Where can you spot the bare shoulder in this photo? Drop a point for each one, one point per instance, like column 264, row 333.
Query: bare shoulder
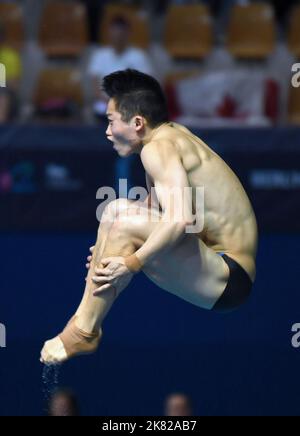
column 161, row 150
column 181, row 128
column 160, row 159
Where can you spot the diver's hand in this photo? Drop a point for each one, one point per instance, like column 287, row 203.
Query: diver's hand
column 114, row 274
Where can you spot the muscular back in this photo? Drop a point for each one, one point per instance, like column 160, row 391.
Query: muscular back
column 229, row 220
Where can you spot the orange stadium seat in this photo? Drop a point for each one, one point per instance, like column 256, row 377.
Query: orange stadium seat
column 294, row 32
column 252, row 31
column 63, row 29
column 11, row 17
column 59, row 83
column 189, row 31
column 294, row 106
column 140, row 33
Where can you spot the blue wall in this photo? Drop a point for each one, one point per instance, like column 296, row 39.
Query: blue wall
column 153, row 342
column 267, row 161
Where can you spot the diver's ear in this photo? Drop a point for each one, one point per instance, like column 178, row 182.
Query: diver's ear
column 139, row 123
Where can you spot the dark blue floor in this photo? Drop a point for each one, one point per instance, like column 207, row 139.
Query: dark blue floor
column 154, row 343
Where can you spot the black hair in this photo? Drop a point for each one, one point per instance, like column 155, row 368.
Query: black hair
column 136, row 93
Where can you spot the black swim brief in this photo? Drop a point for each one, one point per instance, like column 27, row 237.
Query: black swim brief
column 237, row 290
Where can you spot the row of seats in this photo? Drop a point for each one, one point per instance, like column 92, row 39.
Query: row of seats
column 63, row 29
column 189, row 29
column 62, row 83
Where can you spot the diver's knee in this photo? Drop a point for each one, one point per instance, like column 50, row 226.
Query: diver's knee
column 112, row 210
column 117, row 207
column 120, row 227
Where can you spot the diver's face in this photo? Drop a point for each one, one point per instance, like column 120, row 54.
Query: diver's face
column 123, row 135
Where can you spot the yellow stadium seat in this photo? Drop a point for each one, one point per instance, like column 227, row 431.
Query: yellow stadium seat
column 177, row 76
column 294, row 32
column 139, row 26
column 252, row 31
column 11, row 17
column 59, row 83
column 63, row 29
column 189, row 31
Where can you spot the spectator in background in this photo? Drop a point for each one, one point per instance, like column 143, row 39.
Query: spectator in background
column 11, row 60
column 178, row 404
column 63, row 403
column 119, row 55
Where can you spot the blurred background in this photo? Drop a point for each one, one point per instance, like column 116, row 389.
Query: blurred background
column 226, row 69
